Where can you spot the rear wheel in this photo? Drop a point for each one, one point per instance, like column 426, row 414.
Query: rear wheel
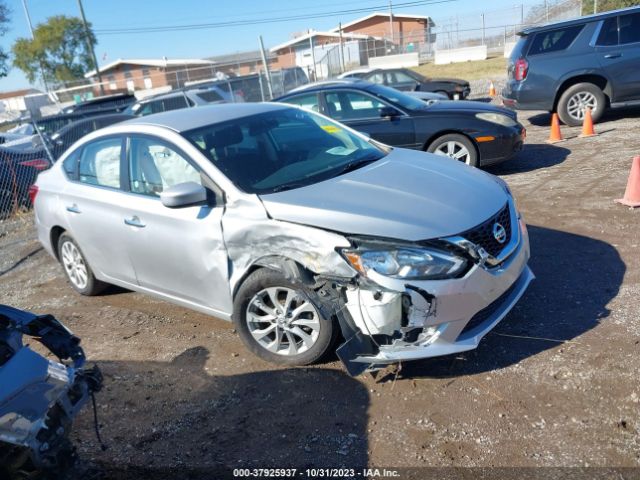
column 455, row 146
column 576, row 99
column 76, row 267
column 279, row 319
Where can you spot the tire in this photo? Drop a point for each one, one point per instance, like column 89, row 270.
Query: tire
column 574, row 99
column 76, row 268
column 311, row 338
column 454, row 144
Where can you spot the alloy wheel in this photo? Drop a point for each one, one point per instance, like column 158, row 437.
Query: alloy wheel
column 579, row 102
column 283, row 321
column 454, row 150
column 74, row 265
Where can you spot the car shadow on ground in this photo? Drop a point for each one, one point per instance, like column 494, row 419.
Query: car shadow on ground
column 543, row 119
column 577, row 277
column 166, row 420
column 532, row 157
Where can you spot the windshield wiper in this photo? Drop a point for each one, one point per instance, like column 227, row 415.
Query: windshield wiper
column 286, row 186
column 356, row 164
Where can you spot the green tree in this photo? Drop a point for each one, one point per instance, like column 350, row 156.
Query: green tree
column 59, row 48
column 4, row 56
column 606, row 5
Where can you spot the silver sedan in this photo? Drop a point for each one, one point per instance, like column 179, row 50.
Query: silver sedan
column 295, row 227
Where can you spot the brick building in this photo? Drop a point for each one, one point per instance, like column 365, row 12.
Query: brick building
column 402, row 30
column 138, row 74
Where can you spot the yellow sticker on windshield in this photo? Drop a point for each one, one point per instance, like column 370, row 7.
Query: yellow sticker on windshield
column 330, row 128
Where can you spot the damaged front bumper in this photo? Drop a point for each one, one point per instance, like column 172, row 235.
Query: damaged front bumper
column 399, row 320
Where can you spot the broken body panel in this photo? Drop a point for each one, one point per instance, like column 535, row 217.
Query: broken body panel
column 38, row 397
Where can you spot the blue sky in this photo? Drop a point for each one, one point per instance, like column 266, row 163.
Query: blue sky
column 201, row 43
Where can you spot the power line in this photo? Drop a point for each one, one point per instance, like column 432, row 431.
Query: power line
column 231, row 23
column 241, row 15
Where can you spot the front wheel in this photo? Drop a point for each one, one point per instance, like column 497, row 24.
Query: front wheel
column 455, row 146
column 280, row 320
column 576, row 99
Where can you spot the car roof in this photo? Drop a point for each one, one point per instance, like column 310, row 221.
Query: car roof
column 186, row 119
column 75, row 124
column 331, row 84
column 578, row 21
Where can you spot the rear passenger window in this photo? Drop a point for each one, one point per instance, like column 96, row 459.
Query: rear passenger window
column 174, row 103
column 70, row 165
column 100, row 163
column 629, row 26
column 554, row 40
column 608, row 32
column 210, row 96
column 308, row 101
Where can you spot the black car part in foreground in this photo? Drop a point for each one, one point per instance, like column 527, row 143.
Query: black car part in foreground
column 39, row 398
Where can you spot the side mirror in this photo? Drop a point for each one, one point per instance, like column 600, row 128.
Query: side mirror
column 388, row 112
column 187, row 194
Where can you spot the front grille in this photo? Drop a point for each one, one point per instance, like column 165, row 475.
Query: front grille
column 487, row 312
column 482, row 235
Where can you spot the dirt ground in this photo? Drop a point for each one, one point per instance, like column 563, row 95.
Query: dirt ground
column 554, row 385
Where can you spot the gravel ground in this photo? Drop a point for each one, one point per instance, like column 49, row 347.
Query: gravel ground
column 555, row 384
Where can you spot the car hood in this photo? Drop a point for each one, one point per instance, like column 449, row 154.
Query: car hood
column 468, row 106
column 406, row 195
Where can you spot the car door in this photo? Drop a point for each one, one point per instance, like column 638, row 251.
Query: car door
column 618, row 51
column 176, row 252
column 364, row 112
column 94, row 205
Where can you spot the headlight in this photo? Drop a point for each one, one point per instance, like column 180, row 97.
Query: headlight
column 498, row 118
column 407, row 263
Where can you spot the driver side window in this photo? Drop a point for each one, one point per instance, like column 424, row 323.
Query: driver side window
column 154, row 166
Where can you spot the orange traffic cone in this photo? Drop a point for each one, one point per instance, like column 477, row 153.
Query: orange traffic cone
column 492, row 90
column 556, row 135
column 587, row 125
column 632, row 193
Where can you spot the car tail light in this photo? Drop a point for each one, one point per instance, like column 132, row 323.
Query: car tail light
column 33, row 191
column 38, row 163
column 521, row 69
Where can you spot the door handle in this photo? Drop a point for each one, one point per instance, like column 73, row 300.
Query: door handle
column 613, row 55
column 134, row 222
column 73, row 209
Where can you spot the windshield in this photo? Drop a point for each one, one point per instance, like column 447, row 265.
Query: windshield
column 399, row 98
column 282, row 149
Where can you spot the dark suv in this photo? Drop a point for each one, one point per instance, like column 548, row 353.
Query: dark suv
column 591, row 62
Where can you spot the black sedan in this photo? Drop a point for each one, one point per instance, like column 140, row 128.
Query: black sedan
column 19, row 168
column 475, row 133
column 408, row 80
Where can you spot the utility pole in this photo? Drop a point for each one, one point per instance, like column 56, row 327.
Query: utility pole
column 546, row 9
column 341, row 49
column 266, row 68
column 90, row 45
column 595, row 6
column 521, row 15
column 391, row 20
column 26, row 12
column 313, row 57
column 482, row 15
